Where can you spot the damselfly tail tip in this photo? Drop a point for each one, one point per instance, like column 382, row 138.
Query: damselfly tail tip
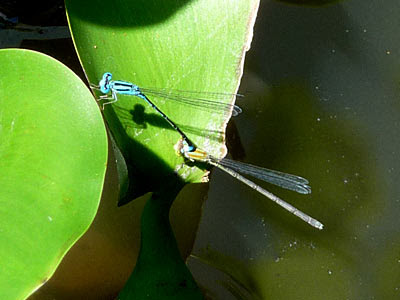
column 318, row 225
column 313, row 222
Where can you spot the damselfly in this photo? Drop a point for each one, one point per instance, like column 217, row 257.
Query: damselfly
column 107, row 86
column 284, row 180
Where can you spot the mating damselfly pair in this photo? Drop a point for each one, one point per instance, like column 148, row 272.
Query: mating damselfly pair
column 111, row 88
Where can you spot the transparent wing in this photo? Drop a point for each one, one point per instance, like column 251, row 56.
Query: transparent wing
column 284, row 180
column 203, row 100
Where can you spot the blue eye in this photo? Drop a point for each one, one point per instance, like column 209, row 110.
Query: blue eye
column 107, row 76
column 104, row 83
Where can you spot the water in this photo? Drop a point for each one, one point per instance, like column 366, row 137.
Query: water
column 324, row 105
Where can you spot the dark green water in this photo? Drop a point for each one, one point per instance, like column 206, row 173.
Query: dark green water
column 323, row 102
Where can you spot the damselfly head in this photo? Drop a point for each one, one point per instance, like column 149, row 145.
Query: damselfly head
column 104, row 83
column 184, row 148
column 193, row 154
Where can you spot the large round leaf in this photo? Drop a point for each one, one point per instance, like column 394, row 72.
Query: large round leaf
column 53, row 155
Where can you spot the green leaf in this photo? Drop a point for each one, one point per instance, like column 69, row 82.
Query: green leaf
column 180, row 45
column 53, row 155
column 174, row 45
